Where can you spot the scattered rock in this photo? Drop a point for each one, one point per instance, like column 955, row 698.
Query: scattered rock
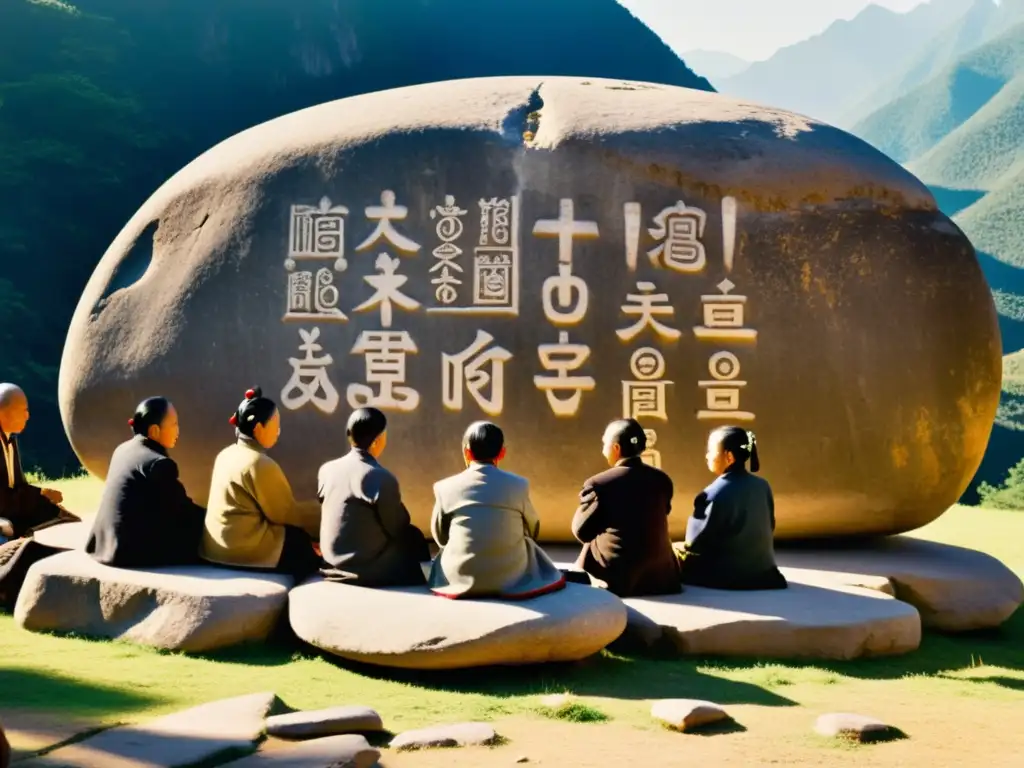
column 412, row 628
column 347, row 751
column 687, row 714
column 324, row 722
column 183, row 738
column 457, row 735
column 522, row 759
column 189, row 608
column 854, row 727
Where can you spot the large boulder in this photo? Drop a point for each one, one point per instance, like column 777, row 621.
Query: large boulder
column 417, row 249
column 415, row 629
column 188, row 608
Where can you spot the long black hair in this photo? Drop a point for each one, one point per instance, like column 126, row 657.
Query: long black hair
column 254, row 409
column 151, row 412
column 741, row 444
column 629, row 436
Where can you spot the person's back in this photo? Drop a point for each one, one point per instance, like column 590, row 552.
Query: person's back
column 366, row 535
column 730, row 536
column 623, row 522
column 485, row 524
column 145, row 518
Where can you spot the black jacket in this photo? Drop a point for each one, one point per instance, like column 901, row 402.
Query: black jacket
column 145, row 518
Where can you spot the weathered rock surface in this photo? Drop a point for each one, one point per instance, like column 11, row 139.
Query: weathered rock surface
column 179, row 739
column 862, row 337
column 324, row 722
column 410, row 627
column 687, row 714
column 346, row 751
column 814, row 618
column 953, row 588
column 456, row 735
column 854, row 727
column 191, row 608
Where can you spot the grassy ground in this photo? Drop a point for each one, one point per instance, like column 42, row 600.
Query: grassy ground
column 953, row 694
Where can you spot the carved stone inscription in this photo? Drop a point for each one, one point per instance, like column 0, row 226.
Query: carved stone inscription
column 472, row 261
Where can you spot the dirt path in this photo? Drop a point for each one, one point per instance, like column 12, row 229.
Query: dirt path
column 974, row 733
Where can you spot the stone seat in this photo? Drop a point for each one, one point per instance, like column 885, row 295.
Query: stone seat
column 411, row 628
column 816, row 617
column 186, row 608
column 955, row 589
column 65, row 535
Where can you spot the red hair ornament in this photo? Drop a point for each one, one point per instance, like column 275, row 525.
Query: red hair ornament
column 233, row 421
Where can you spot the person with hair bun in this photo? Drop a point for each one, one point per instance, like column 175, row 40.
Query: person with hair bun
column 730, row 536
column 622, row 519
column 252, row 519
column 145, row 518
column 367, row 535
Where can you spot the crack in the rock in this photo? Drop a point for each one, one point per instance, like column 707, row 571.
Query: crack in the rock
column 522, row 123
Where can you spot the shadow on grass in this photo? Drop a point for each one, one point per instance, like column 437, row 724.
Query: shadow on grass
column 604, row 675
column 31, row 689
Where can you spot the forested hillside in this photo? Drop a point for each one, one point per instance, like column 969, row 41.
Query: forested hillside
column 102, row 100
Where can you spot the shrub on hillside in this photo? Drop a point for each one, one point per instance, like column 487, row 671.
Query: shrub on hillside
column 1008, row 495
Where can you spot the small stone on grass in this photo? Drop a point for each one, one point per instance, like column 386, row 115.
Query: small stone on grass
column 687, row 714
column 324, row 722
column 455, row 735
column 853, row 727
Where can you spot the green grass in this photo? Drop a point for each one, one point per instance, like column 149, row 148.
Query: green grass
column 109, row 682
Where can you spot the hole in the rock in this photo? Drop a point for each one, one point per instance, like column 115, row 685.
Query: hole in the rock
column 134, row 265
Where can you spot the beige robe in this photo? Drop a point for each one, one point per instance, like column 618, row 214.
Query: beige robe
column 250, row 504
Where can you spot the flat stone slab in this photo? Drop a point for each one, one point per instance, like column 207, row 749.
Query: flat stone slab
column 188, row 608
column 454, row 735
column 814, row 618
column 29, row 731
column 182, row 738
column 953, row 588
column 324, row 722
column 65, row 535
column 412, row 628
column 347, row 751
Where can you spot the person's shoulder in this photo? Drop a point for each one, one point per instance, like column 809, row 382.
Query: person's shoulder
column 452, row 481
column 511, row 478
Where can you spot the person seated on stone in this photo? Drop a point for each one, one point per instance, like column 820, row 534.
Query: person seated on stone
column 622, row 519
column 365, row 531
column 24, row 507
column 729, row 537
column 486, row 527
column 145, row 517
column 252, row 519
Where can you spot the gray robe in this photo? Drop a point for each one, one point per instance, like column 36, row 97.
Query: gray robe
column 486, row 527
column 366, row 537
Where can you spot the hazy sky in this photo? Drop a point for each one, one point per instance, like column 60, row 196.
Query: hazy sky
column 750, row 29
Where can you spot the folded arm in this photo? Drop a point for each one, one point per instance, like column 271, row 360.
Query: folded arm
column 588, row 522
column 393, row 514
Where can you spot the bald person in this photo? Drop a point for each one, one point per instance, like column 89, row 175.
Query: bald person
column 23, row 507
